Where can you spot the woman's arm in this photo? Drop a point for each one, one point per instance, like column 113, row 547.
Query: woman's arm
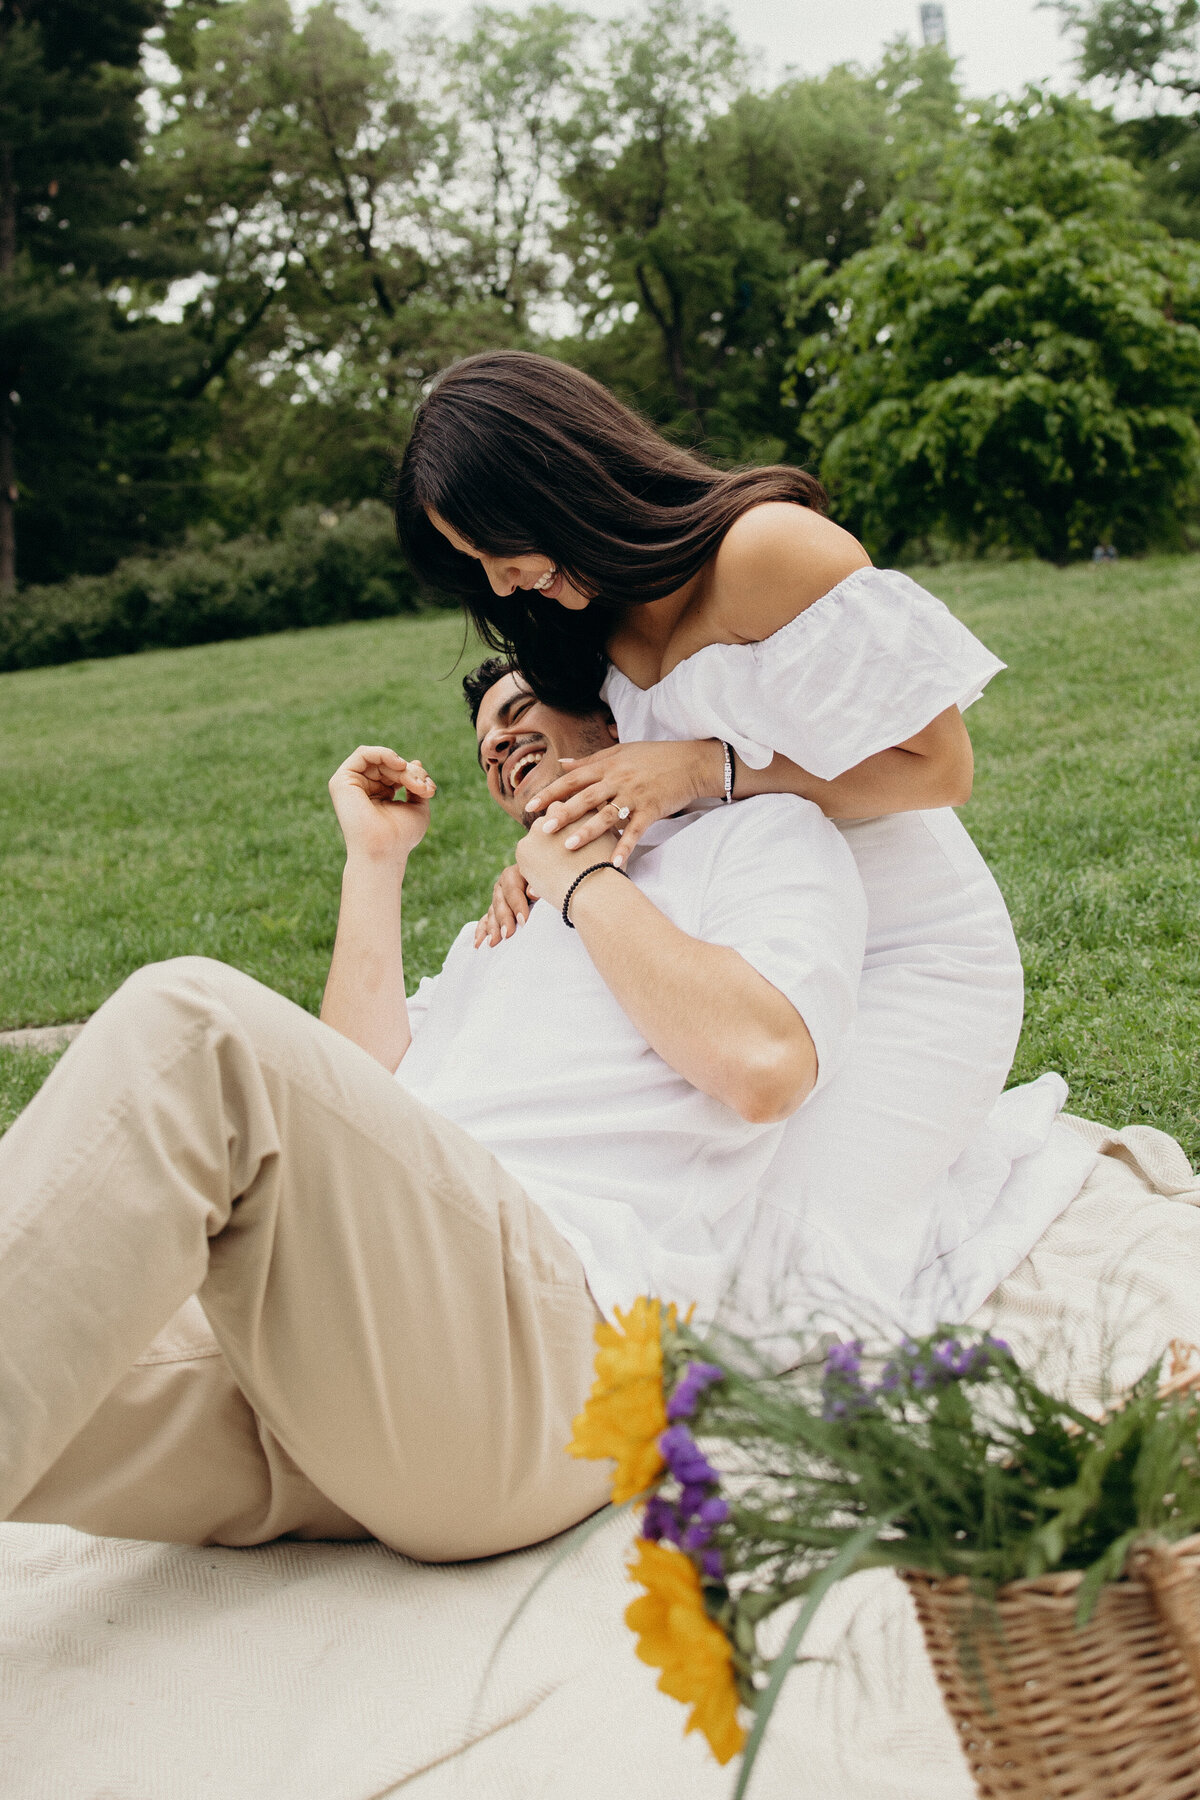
column 934, row 768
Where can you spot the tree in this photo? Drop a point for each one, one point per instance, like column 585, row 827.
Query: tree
column 695, row 199
column 513, row 83
column 1150, row 49
column 89, row 444
column 1016, row 361
column 1149, row 43
column 316, row 175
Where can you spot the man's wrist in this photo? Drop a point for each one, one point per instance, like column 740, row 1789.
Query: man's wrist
column 598, row 887
column 373, row 863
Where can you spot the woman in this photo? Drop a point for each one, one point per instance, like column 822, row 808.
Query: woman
column 714, row 610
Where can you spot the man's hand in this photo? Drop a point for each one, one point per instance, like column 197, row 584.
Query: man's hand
column 549, row 867
column 364, row 790
column 364, row 995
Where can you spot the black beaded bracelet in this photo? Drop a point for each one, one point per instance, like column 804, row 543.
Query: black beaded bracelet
column 582, row 876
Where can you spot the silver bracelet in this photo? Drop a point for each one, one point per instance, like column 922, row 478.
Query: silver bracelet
column 728, row 749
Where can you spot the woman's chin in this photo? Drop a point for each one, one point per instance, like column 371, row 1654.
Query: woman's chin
column 569, row 597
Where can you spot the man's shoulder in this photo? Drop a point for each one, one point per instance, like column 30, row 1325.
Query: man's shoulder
column 762, row 817
column 761, row 838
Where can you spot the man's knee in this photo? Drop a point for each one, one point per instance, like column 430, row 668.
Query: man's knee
column 197, row 983
column 167, row 997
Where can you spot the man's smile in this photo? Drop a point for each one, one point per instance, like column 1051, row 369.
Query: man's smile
column 519, row 761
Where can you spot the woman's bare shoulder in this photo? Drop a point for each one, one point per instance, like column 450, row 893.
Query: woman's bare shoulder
column 773, row 563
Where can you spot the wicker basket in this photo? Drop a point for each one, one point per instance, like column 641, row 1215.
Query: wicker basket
column 1049, row 1711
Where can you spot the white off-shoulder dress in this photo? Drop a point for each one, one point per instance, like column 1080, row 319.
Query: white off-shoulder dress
column 890, row 1182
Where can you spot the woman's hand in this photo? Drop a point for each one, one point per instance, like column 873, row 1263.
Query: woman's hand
column 364, row 791
column 629, row 788
column 511, row 901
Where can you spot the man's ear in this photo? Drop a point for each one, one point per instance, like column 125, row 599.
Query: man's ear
column 612, row 730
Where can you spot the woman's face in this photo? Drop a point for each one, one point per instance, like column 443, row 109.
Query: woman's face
column 507, row 573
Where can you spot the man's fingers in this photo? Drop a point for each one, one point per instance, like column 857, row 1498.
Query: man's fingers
column 379, row 768
column 416, row 781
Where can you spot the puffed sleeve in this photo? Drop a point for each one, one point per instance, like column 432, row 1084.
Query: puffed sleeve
column 868, row 665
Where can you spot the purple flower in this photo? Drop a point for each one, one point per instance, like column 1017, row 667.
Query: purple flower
column 696, row 1377
column 684, row 1458
column 713, row 1511
column 842, row 1389
column 713, row 1565
column 949, row 1359
column 695, row 1537
column 952, row 1359
column 844, row 1360
column 660, row 1520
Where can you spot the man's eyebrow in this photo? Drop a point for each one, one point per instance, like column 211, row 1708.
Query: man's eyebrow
column 503, row 712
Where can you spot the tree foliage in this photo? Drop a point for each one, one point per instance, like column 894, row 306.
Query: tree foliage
column 223, row 296
column 693, row 200
column 1149, row 50
column 1016, row 362
column 94, row 448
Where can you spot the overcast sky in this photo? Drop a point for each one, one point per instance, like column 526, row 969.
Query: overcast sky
column 1001, row 44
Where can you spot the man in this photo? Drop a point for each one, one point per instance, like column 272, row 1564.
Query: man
column 379, row 1250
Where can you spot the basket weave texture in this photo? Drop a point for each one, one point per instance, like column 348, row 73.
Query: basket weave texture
column 1050, row 1711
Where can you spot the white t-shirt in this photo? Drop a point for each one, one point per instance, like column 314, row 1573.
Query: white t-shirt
column 652, row 1182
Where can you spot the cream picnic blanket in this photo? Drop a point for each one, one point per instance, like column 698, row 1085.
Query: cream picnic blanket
column 134, row 1671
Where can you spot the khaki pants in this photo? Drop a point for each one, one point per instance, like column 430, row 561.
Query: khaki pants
column 358, row 1323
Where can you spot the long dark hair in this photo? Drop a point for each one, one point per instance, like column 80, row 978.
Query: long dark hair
column 520, row 453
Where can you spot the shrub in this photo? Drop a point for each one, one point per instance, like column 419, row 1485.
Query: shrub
column 318, row 570
column 1015, row 363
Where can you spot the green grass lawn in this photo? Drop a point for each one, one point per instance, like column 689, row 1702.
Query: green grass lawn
column 175, row 802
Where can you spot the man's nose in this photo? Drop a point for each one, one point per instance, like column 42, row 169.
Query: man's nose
column 496, row 746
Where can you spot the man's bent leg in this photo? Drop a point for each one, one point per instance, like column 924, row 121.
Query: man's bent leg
column 177, row 1452
column 402, row 1318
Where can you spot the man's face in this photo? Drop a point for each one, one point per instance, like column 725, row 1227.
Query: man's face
column 522, row 742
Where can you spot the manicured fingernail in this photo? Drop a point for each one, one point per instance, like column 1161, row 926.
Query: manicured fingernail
column 617, row 861
column 572, row 843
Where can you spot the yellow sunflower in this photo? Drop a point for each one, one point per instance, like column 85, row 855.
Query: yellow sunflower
column 625, row 1414
column 676, row 1635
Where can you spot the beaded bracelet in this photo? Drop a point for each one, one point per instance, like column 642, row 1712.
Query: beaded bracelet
column 728, row 749
column 582, row 876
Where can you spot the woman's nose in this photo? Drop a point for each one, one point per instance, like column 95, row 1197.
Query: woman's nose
column 503, row 576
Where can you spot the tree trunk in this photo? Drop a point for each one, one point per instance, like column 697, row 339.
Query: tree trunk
column 8, row 452
column 670, row 328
